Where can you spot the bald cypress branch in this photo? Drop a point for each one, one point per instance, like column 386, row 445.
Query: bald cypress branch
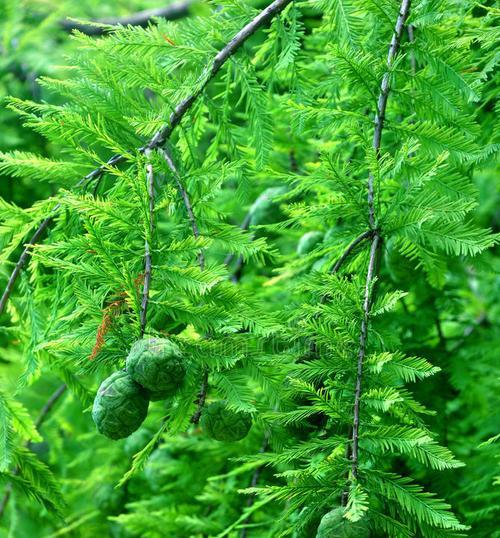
column 159, row 139
column 200, row 401
column 22, row 261
column 186, row 200
column 42, row 416
column 173, row 11
column 202, row 395
column 147, row 248
column 376, row 239
column 384, row 96
column 348, row 251
column 370, row 278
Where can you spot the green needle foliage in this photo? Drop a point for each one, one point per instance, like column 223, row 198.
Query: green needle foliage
column 299, row 198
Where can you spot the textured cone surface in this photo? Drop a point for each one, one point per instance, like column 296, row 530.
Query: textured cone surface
column 307, row 242
column 335, row 525
column 223, row 424
column 120, row 406
column 157, row 365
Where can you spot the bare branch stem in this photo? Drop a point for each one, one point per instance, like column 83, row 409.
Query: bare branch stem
column 186, row 200
column 253, row 483
column 376, row 239
column 370, row 278
column 411, row 38
column 49, row 404
column 383, row 97
column 202, row 396
column 350, row 248
column 211, row 70
column 22, row 261
column 244, row 226
column 173, row 11
column 147, row 247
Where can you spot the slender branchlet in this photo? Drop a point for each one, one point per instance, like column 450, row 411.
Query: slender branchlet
column 147, row 245
column 42, row 416
column 22, row 261
column 202, row 395
column 159, row 139
column 376, row 238
column 200, row 400
column 370, row 278
column 97, row 27
column 186, row 200
column 49, row 404
column 213, row 68
column 313, row 348
column 44, row 225
column 244, row 226
column 349, row 250
column 383, row 97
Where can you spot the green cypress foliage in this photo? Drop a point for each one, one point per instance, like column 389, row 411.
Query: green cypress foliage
column 284, row 208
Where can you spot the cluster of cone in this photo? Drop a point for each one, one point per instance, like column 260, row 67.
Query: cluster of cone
column 155, row 370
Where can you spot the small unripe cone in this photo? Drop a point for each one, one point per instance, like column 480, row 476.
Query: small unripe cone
column 157, row 365
column 223, row 424
column 120, row 406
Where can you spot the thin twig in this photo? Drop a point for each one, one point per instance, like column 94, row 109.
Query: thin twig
column 187, row 202
column 22, row 260
column 294, row 167
column 382, row 99
column 173, row 11
column 6, row 496
column 411, row 38
column 177, row 115
column 210, row 71
column 313, row 348
column 370, row 277
column 147, row 246
column 347, row 252
column 200, row 401
column 94, row 174
column 46, row 409
column 244, row 226
column 376, row 239
column 202, row 395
